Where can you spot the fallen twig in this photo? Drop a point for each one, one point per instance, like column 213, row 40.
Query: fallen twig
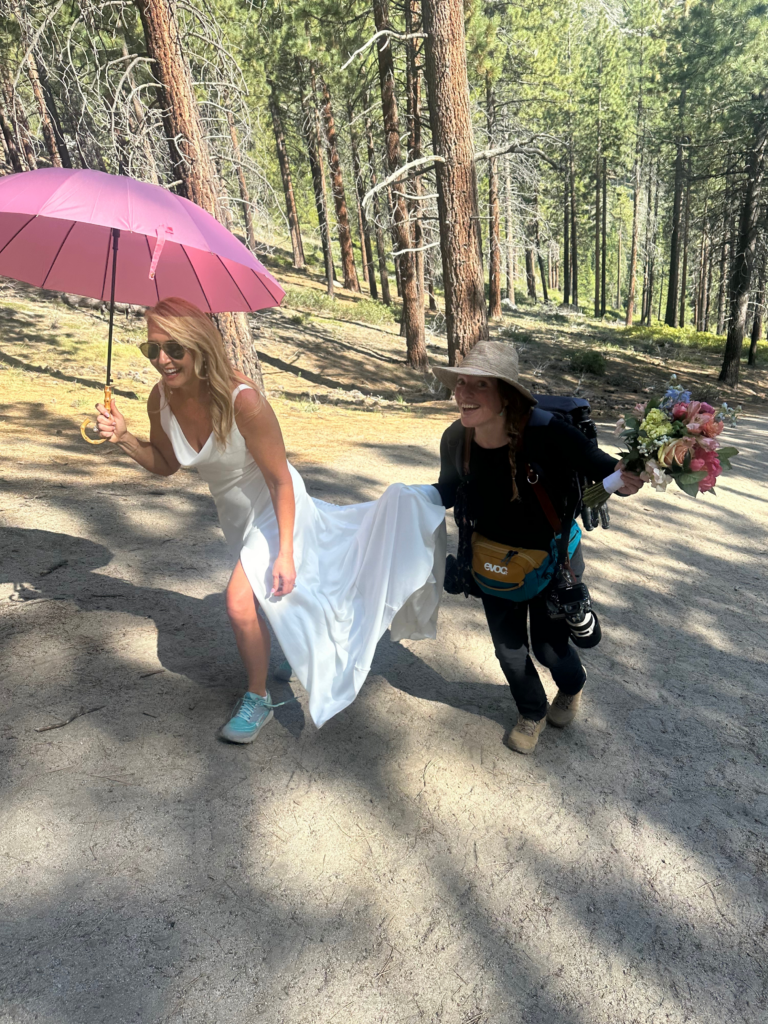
column 155, row 673
column 77, row 714
column 53, row 568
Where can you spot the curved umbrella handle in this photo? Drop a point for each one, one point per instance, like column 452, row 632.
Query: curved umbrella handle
column 84, row 424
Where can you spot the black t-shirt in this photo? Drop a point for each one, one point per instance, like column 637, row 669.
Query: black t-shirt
column 555, row 451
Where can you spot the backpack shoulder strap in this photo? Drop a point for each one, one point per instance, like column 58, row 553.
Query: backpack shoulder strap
column 468, row 437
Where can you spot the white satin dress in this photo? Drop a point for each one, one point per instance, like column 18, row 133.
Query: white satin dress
column 359, row 568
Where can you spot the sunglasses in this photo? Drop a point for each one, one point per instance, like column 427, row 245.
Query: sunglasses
column 151, row 349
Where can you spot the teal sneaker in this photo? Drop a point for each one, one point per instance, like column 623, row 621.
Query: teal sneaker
column 251, row 715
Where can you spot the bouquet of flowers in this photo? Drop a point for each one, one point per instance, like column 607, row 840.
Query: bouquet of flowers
column 672, row 437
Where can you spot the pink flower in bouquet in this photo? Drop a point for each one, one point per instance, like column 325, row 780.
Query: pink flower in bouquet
column 700, row 423
column 694, row 408
column 709, row 444
column 708, row 461
column 675, row 452
column 680, row 411
column 706, row 407
column 640, row 408
column 712, row 428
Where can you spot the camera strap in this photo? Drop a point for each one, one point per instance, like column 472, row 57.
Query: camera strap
column 564, row 529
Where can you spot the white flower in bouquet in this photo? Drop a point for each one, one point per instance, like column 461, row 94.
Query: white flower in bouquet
column 656, row 476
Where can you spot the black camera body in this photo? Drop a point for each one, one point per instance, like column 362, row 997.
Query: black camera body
column 571, row 601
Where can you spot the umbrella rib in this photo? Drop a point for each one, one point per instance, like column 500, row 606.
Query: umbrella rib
column 106, row 264
column 210, row 307
column 17, row 233
column 58, row 252
column 157, row 290
column 234, row 282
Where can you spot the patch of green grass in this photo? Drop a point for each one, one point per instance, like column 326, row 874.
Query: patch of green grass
column 589, row 361
column 366, row 310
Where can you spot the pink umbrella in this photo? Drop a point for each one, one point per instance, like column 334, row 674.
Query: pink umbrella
column 62, row 229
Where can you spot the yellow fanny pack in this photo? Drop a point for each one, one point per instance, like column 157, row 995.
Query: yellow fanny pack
column 517, row 574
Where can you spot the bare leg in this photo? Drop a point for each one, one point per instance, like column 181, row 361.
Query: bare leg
column 250, row 629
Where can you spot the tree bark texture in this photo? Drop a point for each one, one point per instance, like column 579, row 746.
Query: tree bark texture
column 339, row 197
column 381, row 251
column 365, row 228
column 671, row 316
column 413, row 119
column 17, row 117
column 757, row 322
column 530, row 267
column 413, row 307
column 494, row 227
column 509, row 237
column 686, row 230
column 574, row 245
column 604, row 239
column 310, row 128
column 451, row 122
column 741, row 277
column 9, row 137
column 566, row 244
column 634, row 243
column 726, row 234
column 245, row 198
column 297, row 245
column 189, row 152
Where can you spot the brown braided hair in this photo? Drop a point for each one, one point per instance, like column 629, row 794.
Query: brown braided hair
column 516, row 410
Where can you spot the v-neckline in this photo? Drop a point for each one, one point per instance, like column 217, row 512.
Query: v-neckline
column 186, row 439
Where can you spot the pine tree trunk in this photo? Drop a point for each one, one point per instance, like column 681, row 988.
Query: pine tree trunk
column 757, row 322
column 574, row 244
column 413, row 307
column 381, row 251
column 530, row 268
column 395, row 258
column 566, row 245
column 494, row 241
column 9, row 137
column 671, row 318
column 17, row 117
column 45, row 122
column 539, row 257
column 598, row 196
column 686, row 230
column 653, row 253
column 726, row 234
column 633, row 245
column 603, row 239
column 365, row 228
column 189, row 152
column 741, row 278
column 413, row 118
column 245, row 199
column 297, row 244
column 309, row 127
column 452, row 139
column 710, row 265
column 508, row 232
column 53, row 113
column 339, row 197
column 618, row 269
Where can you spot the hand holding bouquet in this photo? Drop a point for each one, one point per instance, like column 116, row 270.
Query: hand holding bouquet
column 672, row 437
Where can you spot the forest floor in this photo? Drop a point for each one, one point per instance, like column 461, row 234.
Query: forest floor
column 401, row 864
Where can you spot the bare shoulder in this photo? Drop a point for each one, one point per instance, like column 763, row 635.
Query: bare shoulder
column 249, row 403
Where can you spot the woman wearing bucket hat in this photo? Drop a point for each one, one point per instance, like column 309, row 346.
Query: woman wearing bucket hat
column 508, row 468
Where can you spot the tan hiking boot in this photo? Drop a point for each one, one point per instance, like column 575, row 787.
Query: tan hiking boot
column 525, row 735
column 563, row 708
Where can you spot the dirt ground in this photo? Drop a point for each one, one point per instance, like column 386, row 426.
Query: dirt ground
column 401, row 864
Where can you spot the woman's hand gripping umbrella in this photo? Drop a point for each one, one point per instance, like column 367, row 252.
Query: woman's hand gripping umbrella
column 62, row 229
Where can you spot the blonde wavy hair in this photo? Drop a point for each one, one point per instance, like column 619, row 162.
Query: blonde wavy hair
column 196, row 331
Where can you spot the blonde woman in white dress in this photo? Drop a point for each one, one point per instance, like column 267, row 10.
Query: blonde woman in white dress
column 329, row 579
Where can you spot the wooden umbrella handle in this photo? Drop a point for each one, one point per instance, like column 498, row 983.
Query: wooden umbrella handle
column 84, row 424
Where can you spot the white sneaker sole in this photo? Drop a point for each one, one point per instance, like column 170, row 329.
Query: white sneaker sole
column 236, row 737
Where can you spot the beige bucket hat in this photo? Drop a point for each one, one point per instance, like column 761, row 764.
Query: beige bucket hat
column 486, row 359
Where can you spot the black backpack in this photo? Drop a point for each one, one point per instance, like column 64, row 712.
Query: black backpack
column 576, row 412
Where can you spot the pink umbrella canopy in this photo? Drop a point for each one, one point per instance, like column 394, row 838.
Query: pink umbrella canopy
column 56, row 232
